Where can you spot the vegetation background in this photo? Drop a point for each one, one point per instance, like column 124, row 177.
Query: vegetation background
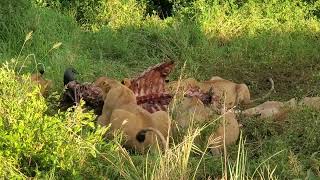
column 242, row 40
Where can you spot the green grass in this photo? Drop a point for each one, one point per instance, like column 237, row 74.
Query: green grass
column 245, row 44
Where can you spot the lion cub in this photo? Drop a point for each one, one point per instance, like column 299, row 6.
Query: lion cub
column 225, row 94
column 230, row 94
column 232, row 132
column 121, row 111
column 225, row 91
column 271, row 109
column 45, row 85
column 191, row 109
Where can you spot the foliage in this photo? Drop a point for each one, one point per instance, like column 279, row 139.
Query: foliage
column 32, row 143
column 244, row 41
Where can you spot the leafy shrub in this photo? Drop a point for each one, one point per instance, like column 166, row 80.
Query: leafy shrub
column 34, row 144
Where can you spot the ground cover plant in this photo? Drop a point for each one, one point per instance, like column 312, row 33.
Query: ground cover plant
column 244, row 41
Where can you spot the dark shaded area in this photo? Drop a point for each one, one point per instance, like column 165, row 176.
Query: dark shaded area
column 316, row 11
column 163, row 8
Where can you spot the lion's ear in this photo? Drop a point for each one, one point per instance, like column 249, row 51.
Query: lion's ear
column 104, row 83
column 126, row 82
column 243, row 93
column 106, row 86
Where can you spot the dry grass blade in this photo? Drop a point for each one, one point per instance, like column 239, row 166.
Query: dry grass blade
column 56, row 46
column 28, row 36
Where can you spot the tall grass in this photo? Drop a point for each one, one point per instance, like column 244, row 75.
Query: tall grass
column 245, row 43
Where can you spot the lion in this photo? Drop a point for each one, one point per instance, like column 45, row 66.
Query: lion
column 141, row 131
column 45, row 85
column 271, row 109
column 105, row 84
column 191, row 109
column 311, row 102
column 121, row 112
column 116, row 96
column 229, row 94
column 231, row 135
column 181, row 86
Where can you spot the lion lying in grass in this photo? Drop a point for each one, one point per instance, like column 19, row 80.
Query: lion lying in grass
column 191, row 109
column 38, row 79
column 271, row 109
column 227, row 94
column 229, row 132
column 45, row 85
column 120, row 110
column 279, row 110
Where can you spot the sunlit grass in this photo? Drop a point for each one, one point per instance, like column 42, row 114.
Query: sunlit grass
column 244, row 44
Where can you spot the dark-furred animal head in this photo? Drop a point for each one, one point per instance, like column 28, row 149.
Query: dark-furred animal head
column 41, row 71
column 69, row 75
column 41, row 68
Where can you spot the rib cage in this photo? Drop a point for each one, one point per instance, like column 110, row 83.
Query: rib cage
column 149, row 87
column 155, row 103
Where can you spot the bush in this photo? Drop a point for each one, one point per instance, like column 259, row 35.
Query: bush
column 35, row 144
